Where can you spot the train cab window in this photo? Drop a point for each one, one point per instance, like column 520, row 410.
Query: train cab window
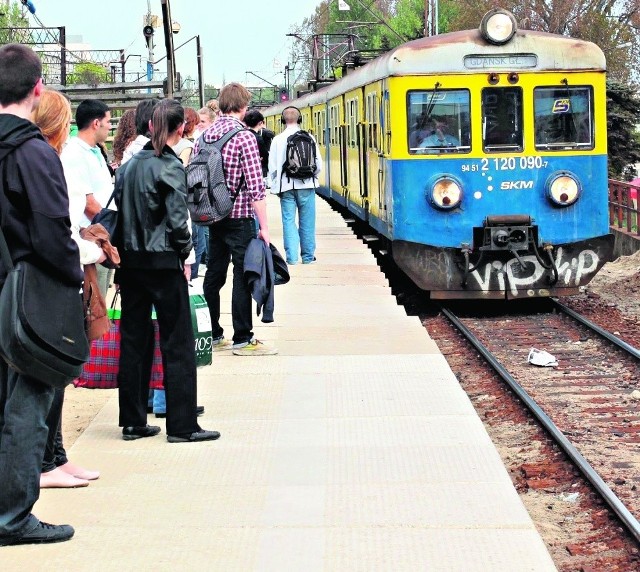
column 438, row 121
column 563, row 117
column 502, row 119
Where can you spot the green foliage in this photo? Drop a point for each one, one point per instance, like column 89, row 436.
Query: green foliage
column 89, row 73
column 623, row 118
column 10, row 19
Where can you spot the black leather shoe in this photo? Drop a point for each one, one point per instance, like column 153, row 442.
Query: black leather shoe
column 199, row 411
column 43, row 533
column 131, row 433
column 196, row 437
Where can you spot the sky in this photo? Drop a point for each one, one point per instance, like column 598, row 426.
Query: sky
column 236, row 36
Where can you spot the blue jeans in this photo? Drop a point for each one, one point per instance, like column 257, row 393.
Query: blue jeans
column 199, row 247
column 24, row 406
column 159, row 401
column 303, row 237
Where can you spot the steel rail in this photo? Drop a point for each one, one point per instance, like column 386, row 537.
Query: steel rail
column 587, row 470
column 604, row 333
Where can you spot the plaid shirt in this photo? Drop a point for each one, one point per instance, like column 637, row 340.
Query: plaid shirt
column 240, row 156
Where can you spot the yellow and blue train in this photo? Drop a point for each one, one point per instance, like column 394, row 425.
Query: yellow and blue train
column 480, row 156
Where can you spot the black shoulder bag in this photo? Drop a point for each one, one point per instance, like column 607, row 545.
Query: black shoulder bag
column 42, row 332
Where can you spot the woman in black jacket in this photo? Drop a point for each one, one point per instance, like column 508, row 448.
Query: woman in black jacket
column 153, row 238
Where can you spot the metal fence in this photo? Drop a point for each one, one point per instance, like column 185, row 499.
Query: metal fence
column 623, row 206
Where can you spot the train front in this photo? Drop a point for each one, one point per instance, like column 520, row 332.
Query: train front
column 504, row 189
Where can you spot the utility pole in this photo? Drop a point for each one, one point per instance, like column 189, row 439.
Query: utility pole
column 431, row 18
column 200, row 75
column 167, row 24
column 148, row 34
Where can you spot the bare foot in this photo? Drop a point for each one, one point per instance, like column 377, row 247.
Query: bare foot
column 58, row 479
column 79, row 472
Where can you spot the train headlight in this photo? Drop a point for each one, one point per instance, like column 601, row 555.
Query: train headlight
column 498, row 26
column 563, row 188
column 446, row 193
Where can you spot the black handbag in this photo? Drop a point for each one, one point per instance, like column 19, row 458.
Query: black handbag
column 108, row 217
column 42, row 332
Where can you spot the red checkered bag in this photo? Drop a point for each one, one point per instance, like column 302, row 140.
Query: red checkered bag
column 101, row 371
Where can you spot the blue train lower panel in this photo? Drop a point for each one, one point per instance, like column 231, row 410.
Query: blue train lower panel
column 444, row 272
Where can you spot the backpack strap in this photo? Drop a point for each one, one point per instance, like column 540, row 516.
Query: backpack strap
column 219, row 144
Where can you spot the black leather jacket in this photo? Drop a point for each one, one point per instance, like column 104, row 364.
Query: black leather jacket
column 152, row 229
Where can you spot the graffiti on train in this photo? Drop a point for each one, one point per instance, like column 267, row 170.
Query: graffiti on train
column 517, row 277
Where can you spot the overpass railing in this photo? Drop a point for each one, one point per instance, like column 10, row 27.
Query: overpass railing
column 623, row 206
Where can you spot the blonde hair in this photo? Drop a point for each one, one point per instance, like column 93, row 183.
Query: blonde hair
column 212, row 104
column 53, row 117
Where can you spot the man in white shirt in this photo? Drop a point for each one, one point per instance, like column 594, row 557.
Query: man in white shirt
column 295, row 194
column 85, row 169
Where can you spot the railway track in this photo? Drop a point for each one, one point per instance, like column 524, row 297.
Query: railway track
column 580, row 531
column 584, row 402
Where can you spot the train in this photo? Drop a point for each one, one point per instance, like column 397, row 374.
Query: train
column 479, row 157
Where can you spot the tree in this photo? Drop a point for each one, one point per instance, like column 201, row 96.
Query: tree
column 12, row 17
column 89, row 73
column 623, row 117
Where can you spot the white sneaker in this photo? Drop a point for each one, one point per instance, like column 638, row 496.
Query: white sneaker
column 253, row 348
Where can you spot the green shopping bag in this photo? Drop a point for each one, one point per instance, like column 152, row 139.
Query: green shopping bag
column 201, row 322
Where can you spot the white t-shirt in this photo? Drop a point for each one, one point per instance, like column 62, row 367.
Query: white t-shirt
column 134, row 147
column 86, row 173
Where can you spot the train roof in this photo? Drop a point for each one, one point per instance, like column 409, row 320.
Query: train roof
column 464, row 52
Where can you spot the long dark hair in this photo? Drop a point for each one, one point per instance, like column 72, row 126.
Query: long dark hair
column 168, row 115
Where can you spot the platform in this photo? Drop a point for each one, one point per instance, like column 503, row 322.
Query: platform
column 353, row 449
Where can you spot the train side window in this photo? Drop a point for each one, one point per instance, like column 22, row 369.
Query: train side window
column 563, row 117
column 353, row 122
column 374, row 120
column 502, row 119
column 333, row 131
column 438, row 121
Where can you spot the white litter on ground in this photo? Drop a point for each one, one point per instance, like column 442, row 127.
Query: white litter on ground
column 541, row 358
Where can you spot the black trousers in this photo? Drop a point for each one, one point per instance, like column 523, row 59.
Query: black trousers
column 167, row 292
column 55, row 454
column 228, row 242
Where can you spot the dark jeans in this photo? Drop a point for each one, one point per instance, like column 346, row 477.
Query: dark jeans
column 167, row 292
column 228, row 242
column 24, row 405
column 54, row 452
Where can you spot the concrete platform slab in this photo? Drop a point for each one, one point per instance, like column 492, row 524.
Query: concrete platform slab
column 353, row 449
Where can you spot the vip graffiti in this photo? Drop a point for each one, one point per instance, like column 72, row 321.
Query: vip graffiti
column 517, row 276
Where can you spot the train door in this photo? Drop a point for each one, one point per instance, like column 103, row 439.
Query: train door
column 363, row 161
column 343, row 162
column 386, row 203
column 335, row 167
column 374, row 156
column 355, row 200
column 319, row 132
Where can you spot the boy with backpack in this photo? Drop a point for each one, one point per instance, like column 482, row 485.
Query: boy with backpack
column 230, row 236
column 294, row 163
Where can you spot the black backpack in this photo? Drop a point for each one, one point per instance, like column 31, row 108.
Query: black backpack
column 208, row 197
column 300, row 160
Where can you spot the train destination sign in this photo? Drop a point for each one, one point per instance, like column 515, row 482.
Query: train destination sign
column 509, row 61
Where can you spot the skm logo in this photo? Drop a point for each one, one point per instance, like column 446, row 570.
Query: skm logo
column 561, row 106
column 516, row 185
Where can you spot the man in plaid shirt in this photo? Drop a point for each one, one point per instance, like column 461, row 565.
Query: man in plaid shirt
column 230, row 237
